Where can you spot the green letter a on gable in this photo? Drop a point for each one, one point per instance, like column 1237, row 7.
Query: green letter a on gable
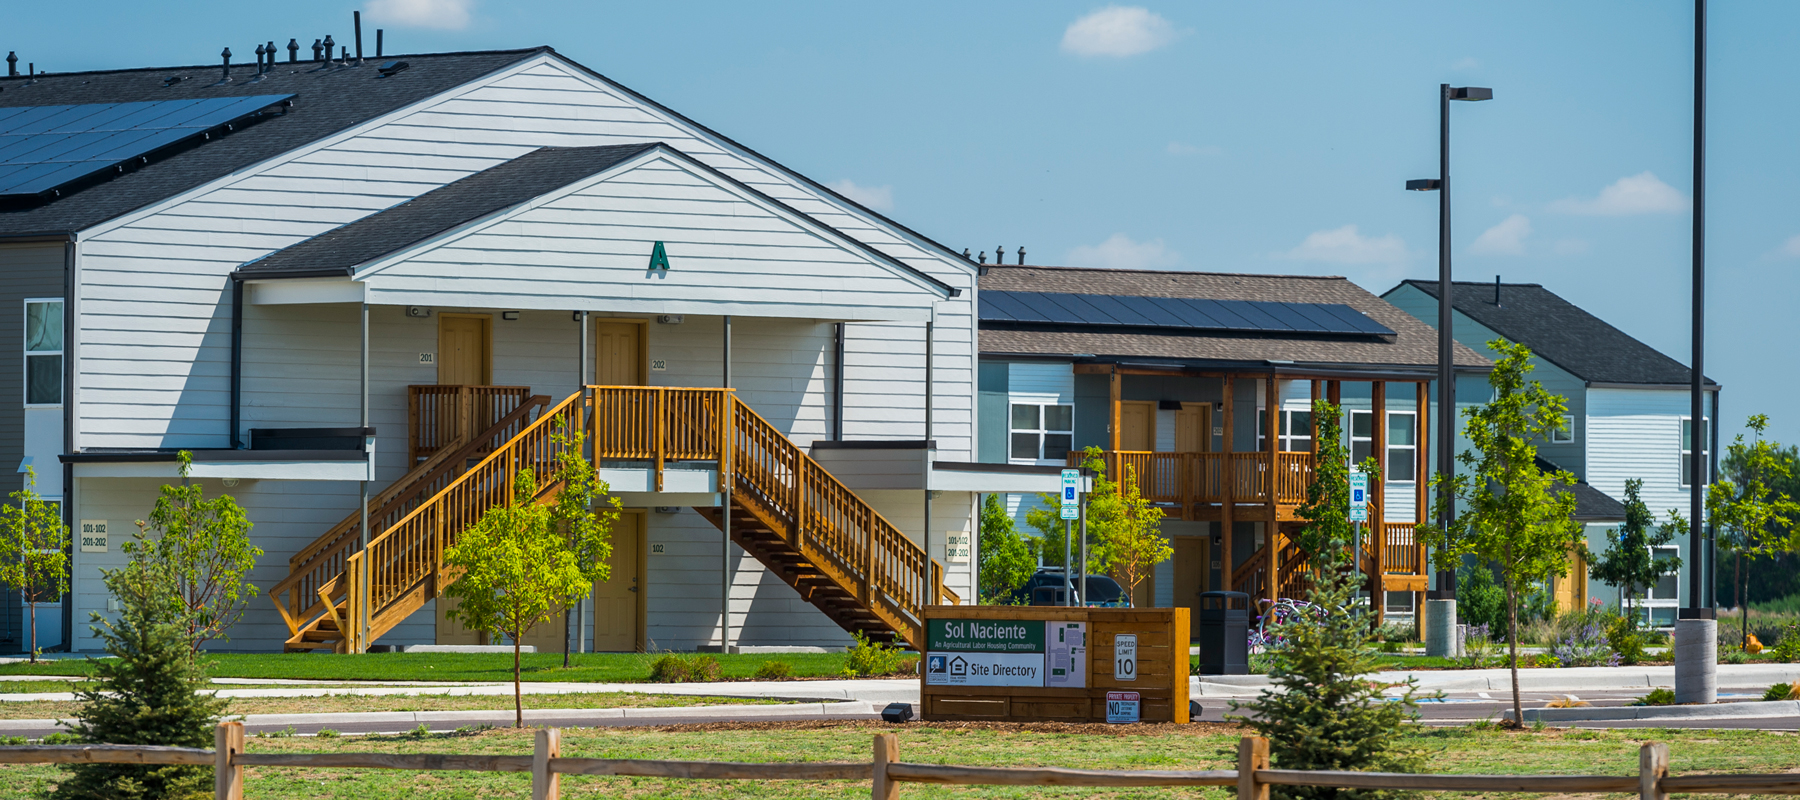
column 659, row 259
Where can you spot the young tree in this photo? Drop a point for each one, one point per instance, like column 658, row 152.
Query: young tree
column 1056, row 536
column 1323, row 712
column 525, row 562
column 1514, row 518
column 151, row 692
column 34, row 558
column 1005, row 559
column 1628, row 562
column 1132, row 538
column 204, row 546
column 1756, row 516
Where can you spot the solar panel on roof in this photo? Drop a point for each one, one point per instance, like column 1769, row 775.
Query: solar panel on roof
column 45, row 147
column 1177, row 313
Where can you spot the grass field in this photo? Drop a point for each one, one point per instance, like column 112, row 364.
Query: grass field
column 586, row 667
column 1086, row 746
column 55, row 709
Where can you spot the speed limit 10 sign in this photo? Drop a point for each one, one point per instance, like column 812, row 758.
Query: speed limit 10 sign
column 1125, row 656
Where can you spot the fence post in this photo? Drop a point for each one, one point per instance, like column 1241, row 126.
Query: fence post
column 1253, row 754
column 228, row 778
column 887, row 751
column 546, row 785
column 1653, row 766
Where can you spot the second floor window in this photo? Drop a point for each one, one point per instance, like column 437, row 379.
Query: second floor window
column 1362, row 436
column 43, row 352
column 1402, row 447
column 1567, row 434
column 1296, row 430
column 1042, row 432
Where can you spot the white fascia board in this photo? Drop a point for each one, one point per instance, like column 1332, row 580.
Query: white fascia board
column 998, row 481
column 309, row 148
column 642, row 480
column 293, row 291
column 242, row 470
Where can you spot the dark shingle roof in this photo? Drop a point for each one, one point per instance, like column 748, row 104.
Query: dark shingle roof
column 1562, row 333
column 495, row 189
column 1413, row 344
column 327, row 102
column 1591, row 504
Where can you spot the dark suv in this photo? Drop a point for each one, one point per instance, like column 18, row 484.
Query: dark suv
column 1048, row 587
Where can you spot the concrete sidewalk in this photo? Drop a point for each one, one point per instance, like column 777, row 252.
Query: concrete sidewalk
column 1568, row 679
column 883, row 690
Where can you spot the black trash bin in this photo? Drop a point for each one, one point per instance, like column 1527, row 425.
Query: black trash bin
column 1224, row 633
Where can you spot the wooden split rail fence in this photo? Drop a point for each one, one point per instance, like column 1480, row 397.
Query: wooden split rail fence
column 886, row 772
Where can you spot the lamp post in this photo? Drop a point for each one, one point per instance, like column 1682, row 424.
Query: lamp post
column 1696, row 626
column 1444, row 644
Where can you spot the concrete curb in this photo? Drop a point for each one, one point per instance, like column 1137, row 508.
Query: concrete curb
column 1534, row 679
column 1776, row 708
column 406, row 720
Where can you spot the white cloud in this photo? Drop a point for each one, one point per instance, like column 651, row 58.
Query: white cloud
column 1121, row 252
column 1185, row 149
column 1466, row 63
column 1570, row 247
column 1347, row 245
column 880, row 198
column 1504, row 239
column 1643, row 193
column 1118, row 31
column 443, row 14
column 1789, row 248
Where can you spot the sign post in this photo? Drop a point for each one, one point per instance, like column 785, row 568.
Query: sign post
column 1359, row 511
column 1071, row 510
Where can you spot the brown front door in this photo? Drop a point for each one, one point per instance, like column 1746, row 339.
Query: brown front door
column 619, row 600
column 1193, row 428
column 1137, row 426
column 464, row 357
column 618, row 354
column 1190, row 576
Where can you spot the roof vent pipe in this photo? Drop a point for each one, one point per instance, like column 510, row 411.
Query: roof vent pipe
column 356, row 19
column 226, row 54
column 1021, row 255
column 317, row 47
column 1000, row 255
column 293, row 51
column 984, row 256
column 329, row 46
column 1496, row 291
column 378, row 43
column 270, row 67
column 12, row 64
column 260, row 52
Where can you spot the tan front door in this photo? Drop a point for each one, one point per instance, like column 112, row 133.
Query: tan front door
column 619, row 600
column 464, row 357
column 1137, row 426
column 1190, row 576
column 450, row 631
column 1193, row 428
column 618, row 354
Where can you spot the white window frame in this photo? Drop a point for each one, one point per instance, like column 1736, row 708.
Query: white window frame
column 1567, row 434
column 1687, row 454
column 1350, row 433
column 1288, row 437
column 1412, row 450
column 26, row 355
column 1041, row 432
column 1651, row 599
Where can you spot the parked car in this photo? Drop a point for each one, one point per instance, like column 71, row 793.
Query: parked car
column 1049, row 586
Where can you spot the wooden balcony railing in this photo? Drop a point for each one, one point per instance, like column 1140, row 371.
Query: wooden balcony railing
column 439, row 416
column 1185, row 478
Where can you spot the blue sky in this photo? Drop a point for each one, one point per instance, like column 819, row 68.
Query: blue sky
column 1246, row 137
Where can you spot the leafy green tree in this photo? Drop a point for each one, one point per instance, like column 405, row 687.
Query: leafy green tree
column 1104, row 508
column 1323, row 712
column 524, row 562
column 204, row 546
column 1749, row 505
column 1005, row 559
column 151, row 692
column 1513, row 516
column 1628, row 562
column 34, row 557
column 1132, row 539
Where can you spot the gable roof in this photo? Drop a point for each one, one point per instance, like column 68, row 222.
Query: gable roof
column 1562, row 333
column 327, row 101
column 1413, row 345
column 500, row 187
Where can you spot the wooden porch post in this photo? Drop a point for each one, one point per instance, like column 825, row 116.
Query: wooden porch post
column 1272, row 529
column 1422, row 472
column 1377, row 537
column 1113, row 424
column 1227, row 502
column 1333, row 394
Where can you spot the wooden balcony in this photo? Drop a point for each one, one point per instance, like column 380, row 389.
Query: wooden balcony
column 1193, row 482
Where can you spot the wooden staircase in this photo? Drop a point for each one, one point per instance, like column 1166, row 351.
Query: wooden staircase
column 787, row 511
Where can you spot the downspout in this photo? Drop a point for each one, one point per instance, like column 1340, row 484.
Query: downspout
column 367, row 594
column 237, row 362
column 725, row 482
column 837, row 388
column 931, row 582
column 71, row 353
column 1712, row 539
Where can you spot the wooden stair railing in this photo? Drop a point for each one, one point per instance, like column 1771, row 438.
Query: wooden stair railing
column 314, row 566
column 438, row 415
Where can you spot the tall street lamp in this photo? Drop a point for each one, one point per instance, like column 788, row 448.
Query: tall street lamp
column 1446, row 579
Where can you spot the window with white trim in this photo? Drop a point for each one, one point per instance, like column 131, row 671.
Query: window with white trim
column 1658, row 602
column 43, row 352
column 1042, row 432
column 1687, row 450
column 1362, row 436
column 1402, row 448
column 1296, row 430
column 1567, row 434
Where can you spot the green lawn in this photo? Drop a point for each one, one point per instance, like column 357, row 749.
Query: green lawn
column 1088, row 746
column 345, row 703
column 587, row 667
